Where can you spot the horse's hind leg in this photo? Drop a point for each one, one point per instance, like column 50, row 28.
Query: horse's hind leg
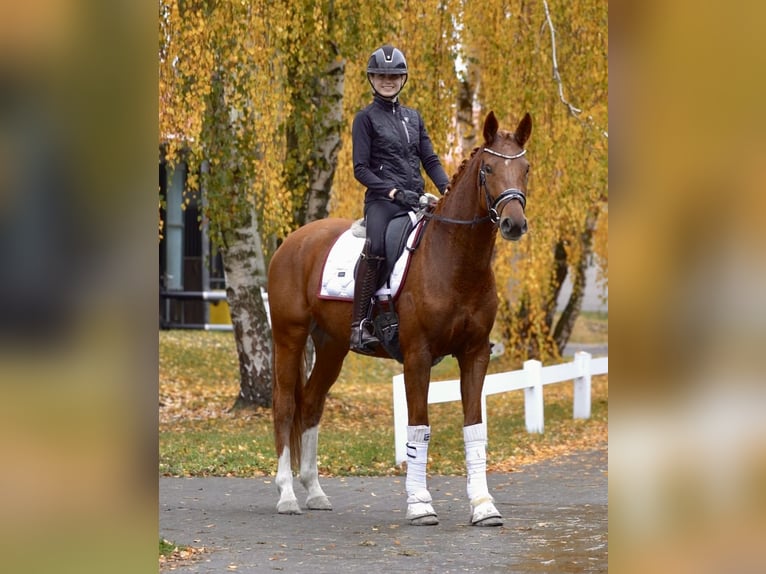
column 329, row 360
column 288, row 381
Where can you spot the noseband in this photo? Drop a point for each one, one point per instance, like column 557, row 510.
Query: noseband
column 493, row 207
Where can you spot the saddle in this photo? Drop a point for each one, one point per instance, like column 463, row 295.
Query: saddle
column 402, row 237
column 385, row 319
column 338, row 275
column 397, row 234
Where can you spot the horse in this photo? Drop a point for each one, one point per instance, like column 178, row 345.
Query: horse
column 447, row 306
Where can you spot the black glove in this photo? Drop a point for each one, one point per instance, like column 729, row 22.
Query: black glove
column 407, row 198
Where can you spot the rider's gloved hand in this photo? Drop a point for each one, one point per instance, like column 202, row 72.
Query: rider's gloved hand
column 407, row 198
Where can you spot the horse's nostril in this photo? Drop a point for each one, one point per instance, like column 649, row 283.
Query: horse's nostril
column 512, row 230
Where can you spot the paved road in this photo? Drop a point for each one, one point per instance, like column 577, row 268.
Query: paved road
column 555, row 521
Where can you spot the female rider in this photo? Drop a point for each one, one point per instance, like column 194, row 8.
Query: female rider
column 390, row 143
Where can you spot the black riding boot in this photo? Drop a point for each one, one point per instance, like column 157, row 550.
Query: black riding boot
column 368, row 272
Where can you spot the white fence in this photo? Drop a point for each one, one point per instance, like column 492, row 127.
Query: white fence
column 530, row 379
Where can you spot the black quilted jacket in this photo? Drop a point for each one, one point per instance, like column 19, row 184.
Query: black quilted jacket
column 389, row 144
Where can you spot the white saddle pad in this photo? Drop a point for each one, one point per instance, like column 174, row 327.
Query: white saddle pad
column 338, row 272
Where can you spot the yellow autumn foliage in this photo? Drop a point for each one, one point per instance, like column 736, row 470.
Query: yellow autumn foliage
column 230, row 73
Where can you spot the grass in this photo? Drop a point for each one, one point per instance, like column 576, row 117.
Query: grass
column 200, row 436
column 172, row 555
column 167, row 548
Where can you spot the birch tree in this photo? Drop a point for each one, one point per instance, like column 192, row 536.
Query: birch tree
column 251, row 97
column 258, row 98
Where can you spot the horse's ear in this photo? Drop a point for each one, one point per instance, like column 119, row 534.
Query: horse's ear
column 523, row 130
column 490, row 128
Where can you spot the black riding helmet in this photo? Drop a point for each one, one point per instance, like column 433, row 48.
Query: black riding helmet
column 387, row 60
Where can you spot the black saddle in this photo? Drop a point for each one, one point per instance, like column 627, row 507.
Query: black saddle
column 397, row 232
column 385, row 319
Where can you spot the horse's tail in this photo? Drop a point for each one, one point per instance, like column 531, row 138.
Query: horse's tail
column 296, row 432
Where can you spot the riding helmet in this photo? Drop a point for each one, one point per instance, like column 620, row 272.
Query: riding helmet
column 387, row 60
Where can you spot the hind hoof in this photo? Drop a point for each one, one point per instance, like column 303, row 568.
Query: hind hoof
column 319, row 503
column 289, row 507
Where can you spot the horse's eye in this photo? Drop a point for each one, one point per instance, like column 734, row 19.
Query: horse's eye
column 487, row 169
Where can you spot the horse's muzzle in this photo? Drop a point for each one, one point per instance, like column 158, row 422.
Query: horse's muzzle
column 512, row 229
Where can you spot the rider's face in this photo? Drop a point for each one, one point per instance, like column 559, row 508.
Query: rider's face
column 387, row 85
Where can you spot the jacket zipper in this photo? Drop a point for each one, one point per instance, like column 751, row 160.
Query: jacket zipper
column 407, row 135
column 404, row 124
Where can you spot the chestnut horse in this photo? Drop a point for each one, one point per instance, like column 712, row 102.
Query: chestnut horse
column 446, row 306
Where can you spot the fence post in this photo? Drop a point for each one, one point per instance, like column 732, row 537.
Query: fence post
column 533, row 396
column 581, row 406
column 400, row 419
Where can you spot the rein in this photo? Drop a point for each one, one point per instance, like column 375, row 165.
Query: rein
column 493, row 207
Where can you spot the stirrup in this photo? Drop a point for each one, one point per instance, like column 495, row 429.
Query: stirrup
column 365, row 341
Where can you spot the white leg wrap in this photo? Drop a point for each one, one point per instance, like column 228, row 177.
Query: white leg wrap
column 287, row 504
column 418, row 498
column 482, row 507
column 475, row 439
column 316, row 499
column 417, row 458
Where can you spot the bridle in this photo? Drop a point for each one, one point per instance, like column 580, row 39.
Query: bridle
column 493, row 207
column 507, row 195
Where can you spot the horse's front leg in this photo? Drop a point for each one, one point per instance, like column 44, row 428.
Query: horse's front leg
column 473, row 368
column 420, row 512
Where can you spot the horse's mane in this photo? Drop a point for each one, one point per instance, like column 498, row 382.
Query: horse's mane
column 461, row 167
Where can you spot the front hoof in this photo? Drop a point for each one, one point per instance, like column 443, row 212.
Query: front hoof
column 485, row 514
column 491, row 521
column 319, row 503
column 288, row 507
column 421, row 514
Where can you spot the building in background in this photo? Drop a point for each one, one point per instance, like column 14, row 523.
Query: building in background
column 191, row 279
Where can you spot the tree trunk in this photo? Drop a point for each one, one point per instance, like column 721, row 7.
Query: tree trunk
column 560, row 272
column 312, row 156
column 245, row 271
column 314, row 139
column 327, row 142
column 571, row 311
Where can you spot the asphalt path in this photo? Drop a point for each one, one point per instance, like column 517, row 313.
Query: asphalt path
column 555, row 516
